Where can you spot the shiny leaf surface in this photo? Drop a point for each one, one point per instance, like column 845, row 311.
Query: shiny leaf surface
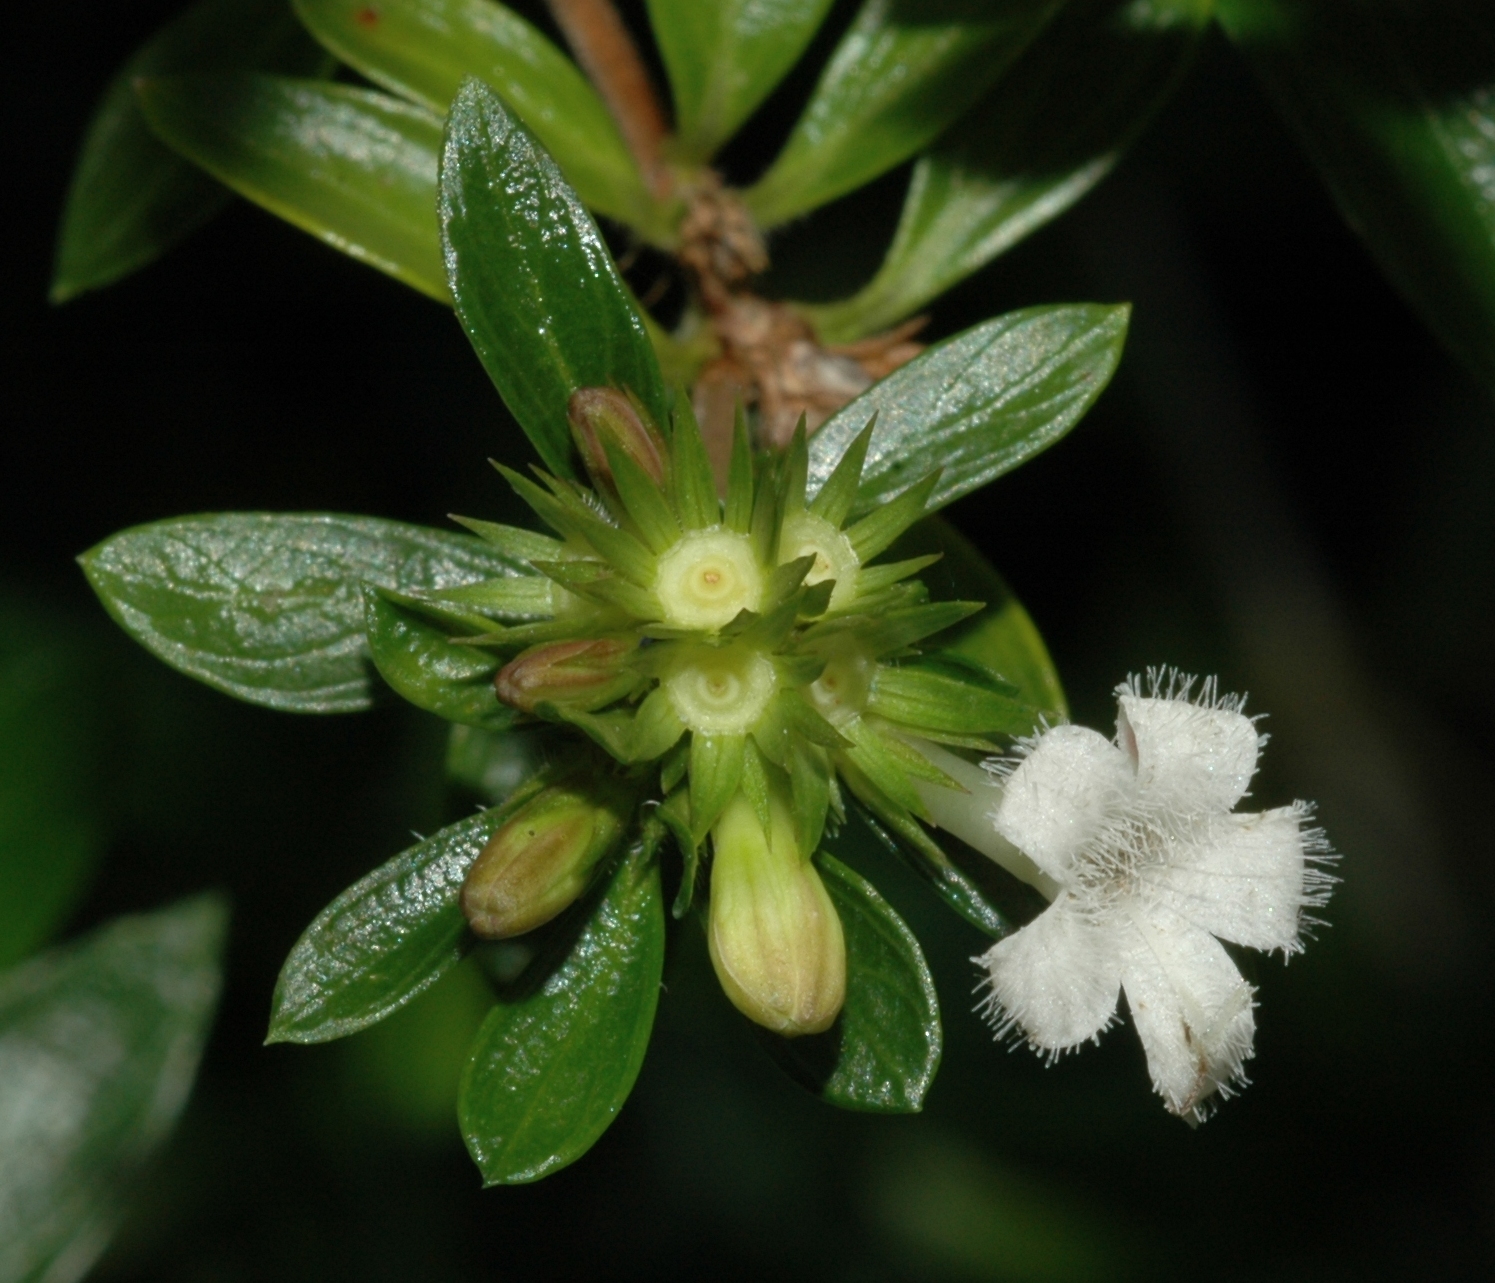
column 132, row 198
column 534, row 283
column 903, row 71
column 356, row 169
column 1044, row 135
column 976, row 405
column 423, row 49
column 385, row 939
column 99, row 1044
column 883, row 1050
column 1395, row 104
column 268, row 607
column 556, row 1059
column 725, row 58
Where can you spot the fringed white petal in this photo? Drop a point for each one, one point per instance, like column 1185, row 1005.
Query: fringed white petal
column 1246, row 879
column 1072, row 783
column 1193, row 1011
column 1192, row 758
column 1056, row 981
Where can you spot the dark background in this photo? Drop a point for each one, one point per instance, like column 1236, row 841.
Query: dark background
column 1287, row 484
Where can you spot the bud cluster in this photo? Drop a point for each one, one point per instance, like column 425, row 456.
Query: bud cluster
column 742, row 660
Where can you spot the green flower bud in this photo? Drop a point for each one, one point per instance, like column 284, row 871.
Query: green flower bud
column 545, row 856
column 602, row 417
column 585, row 675
column 775, row 939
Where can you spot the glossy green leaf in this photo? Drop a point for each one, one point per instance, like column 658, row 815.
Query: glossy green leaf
column 385, row 939
column 415, row 655
column 99, row 1044
column 423, row 49
column 1002, row 637
column 557, row 1057
column 882, row 1053
column 534, row 283
column 268, row 607
column 52, row 747
column 1395, row 103
column 725, row 58
column 903, row 71
column 131, row 197
column 977, row 405
column 1044, row 135
column 356, row 169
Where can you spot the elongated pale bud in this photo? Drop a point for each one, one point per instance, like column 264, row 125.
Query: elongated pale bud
column 775, row 939
column 604, row 416
column 544, row 856
column 581, row 675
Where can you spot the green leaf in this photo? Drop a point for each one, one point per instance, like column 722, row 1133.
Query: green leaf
column 132, row 198
column 423, row 49
column 415, row 655
column 534, row 283
column 725, row 58
column 1395, row 104
column 53, row 744
column 903, row 71
column 556, row 1059
column 1045, row 134
column 356, row 169
column 388, row 937
column 1002, row 637
column 99, row 1043
column 268, row 607
column 978, row 404
column 882, row 1053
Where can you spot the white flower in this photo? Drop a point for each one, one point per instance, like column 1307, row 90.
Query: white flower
column 1152, row 864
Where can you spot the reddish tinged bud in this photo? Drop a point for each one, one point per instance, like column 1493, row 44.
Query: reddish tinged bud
column 583, row 675
column 602, row 417
column 545, row 856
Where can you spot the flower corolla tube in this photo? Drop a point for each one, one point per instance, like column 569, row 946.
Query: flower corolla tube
column 1150, row 867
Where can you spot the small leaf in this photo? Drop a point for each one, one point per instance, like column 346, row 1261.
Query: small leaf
column 1002, row 637
column 1395, row 105
column 99, row 1043
column 555, row 1060
column 388, row 937
column 423, row 49
column 268, row 607
column 900, row 75
column 534, row 283
column 132, row 198
column 415, row 655
column 356, row 169
column 725, row 58
column 1045, row 134
column 977, row 405
column 882, row 1053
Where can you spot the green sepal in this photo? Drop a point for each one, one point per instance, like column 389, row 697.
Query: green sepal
column 268, row 607
column 763, row 526
column 422, row 49
column 596, row 583
column 716, row 765
column 388, row 937
column 692, row 487
column 810, row 787
column 837, row 496
column 794, row 467
column 951, row 695
column 643, row 501
column 675, row 812
column 131, row 197
column 561, row 508
column 784, row 580
column 801, row 718
column 513, row 542
column 874, row 532
column 738, row 514
column 907, row 838
column 557, row 1057
column 978, row 404
column 418, row 659
column 872, row 580
column 882, row 1053
column 673, row 767
column 870, row 755
column 630, row 736
column 892, row 631
column 533, row 281
column 514, row 597
column 755, row 786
